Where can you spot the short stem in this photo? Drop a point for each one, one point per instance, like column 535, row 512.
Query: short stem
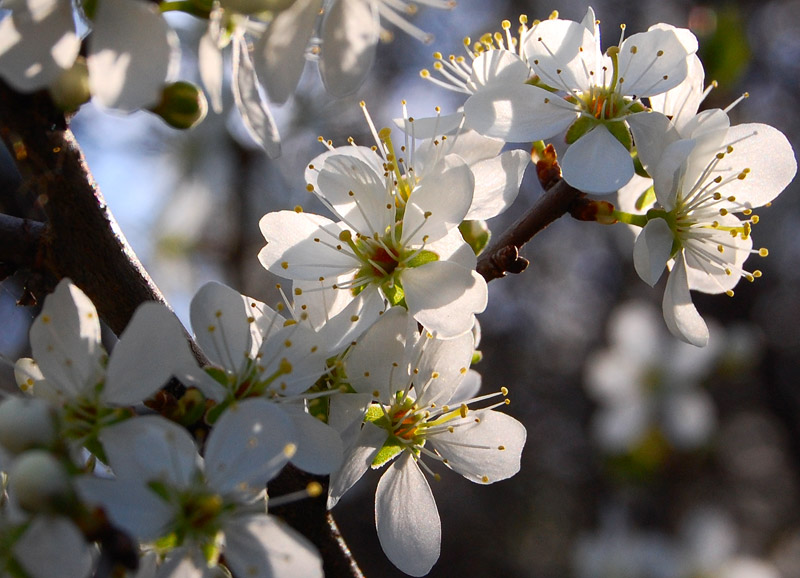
column 631, row 219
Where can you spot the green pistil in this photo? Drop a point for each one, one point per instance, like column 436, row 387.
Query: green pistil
column 403, row 186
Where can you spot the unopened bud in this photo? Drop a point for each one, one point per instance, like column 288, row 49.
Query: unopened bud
column 183, row 105
column 25, row 423
column 476, row 234
column 39, row 482
column 71, row 89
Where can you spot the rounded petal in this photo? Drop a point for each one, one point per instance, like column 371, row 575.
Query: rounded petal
column 682, row 102
column 319, row 448
column 358, row 458
column 597, row 163
column 446, row 359
column 713, row 278
column 221, row 321
column 248, row 446
column 261, row 545
column 132, row 51
column 652, row 132
column 370, row 364
column 518, row 113
column 485, row 447
column 210, row 66
column 349, row 38
column 652, row 62
column 36, row 48
column 152, row 348
column 680, row 314
column 53, row 546
column 304, row 246
column 348, row 324
column 65, row 339
column 444, row 297
column 764, row 180
column 668, row 175
column 280, row 54
column 406, row 518
column 497, row 182
column 440, row 201
column 256, row 116
column 652, row 250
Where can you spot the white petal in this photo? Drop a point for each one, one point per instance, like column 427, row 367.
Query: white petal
column 210, row 65
column 370, row 363
column 261, row 545
column 449, row 360
column 319, row 448
column 652, row 250
column 152, row 348
column 280, row 53
column 65, row 339
column 407, row 519
column 349, row 37
column 220, row 320
column 348, row 325
column 597, row 163
column 497, row 183
column 433, row 126
column 474, row 449
column 150, row 448
column 652, row 132
column 469, row 145
column 497, row 68
column 643, row 72
column 765, row 180
column 291, row 240
column 682, row 319
column 444, row 297
column 303, row 350
column 713, row 279
column 354, row 188
column 132, row 52
column 256, row 115
column 468, row 388
column 668, row 176
column 562, row 53
column 440, row 201
column 357, row 460
column 53, row 546
column 35, row 51
column 518, row 113
column 682, row 102
column 30, row 380
column 130, row 504
column 346, row 415
column 249, row 445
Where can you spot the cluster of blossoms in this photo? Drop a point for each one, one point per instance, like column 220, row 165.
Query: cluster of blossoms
column 370, row 368
column 132, row 53
column 634, row 104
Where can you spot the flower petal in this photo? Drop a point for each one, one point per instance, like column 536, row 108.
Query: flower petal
column 652, row 250
column 349, row 38
column 152, row 349
column 219, row 317
column 444, row 297
column 260, row 545
column 319, row 448
column 357, row 460
column 668, row 175
column 280, row 53
column 597, row 163
column 497, row 68
column 65, row 339
column 210, row 65
column 256, row 116
column 53, row 546
column 497, row 182
column 485, row 447
column 652, row 62
column 682, row 319
column 446, row 359
column 563, row 54
column 371, row 362
column 132, row 52
column 652, row 132
column 249, row 445
column 406, row 518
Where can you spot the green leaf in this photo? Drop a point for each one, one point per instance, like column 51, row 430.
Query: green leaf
column 476, row 234
column 390, row 449
column 646, row 199
column 421, row 258
column 395, row 294
column 374, row 413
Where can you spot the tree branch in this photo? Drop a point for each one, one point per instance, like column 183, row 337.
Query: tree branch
column 503, row 255
column 21, row 241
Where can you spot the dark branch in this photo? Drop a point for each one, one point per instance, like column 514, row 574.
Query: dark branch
column 503, row 255
column 21, row 241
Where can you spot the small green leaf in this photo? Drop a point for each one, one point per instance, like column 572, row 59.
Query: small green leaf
column 621, row 132
column 389, row 450
column 476, row 234
column 395, row 294
column 421, row 258
column 374, row 413
column 579, row 128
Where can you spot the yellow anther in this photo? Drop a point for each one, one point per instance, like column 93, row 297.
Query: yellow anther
column 485, row 479
column 284, row 264
column 463, row 410
column 506, row 24
column 757, row 273
column 284, row 366
column 729, row 292
column 553, row 15
column 298, row 291
column 298, row 209
column 763, row 252
column 504, row 390
column 314, row 489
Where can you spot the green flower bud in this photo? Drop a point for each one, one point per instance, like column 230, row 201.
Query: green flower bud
column 71, row 88
column 476, row 234
column 183, row 105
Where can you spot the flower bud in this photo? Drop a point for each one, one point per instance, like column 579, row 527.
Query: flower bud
column 183, row 105
column 71, row 89
column 476, row 234
column 39, row 482
column 25, row 423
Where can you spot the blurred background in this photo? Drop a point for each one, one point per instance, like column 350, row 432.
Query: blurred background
column 645, row 458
